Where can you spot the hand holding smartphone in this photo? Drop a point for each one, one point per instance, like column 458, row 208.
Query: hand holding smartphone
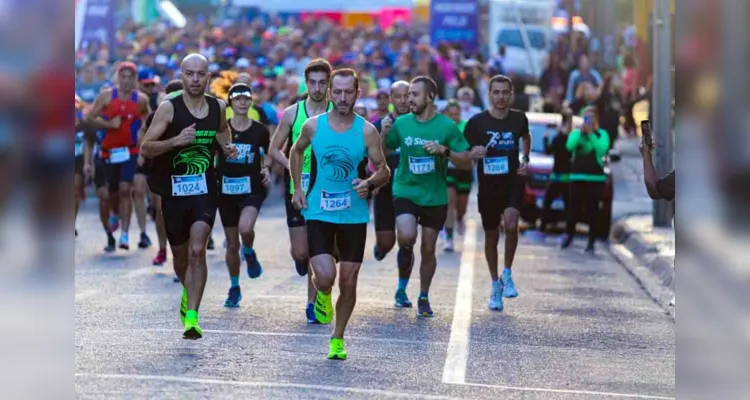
column 646, row 132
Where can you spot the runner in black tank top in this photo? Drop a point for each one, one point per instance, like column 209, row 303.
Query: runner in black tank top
column 243, row 183
column 180, row 140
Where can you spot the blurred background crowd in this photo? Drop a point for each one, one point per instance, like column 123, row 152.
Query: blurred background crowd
column 603, row 60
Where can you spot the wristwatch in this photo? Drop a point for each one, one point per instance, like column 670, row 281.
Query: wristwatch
column 447, row 152
column 525, row 159
column 370, row 187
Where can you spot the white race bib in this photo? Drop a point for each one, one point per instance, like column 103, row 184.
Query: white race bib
column 421, row 165
column 189, row 185
column 335, row 201
column 305, row 182
column 496, row 165
column 239, row 185
column 79, row 149
column 119, row 155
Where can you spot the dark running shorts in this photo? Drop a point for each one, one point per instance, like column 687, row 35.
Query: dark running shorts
column 230, row 207
column 492, row 205
column 428, row 217
column 349, row 239
column 180, row 213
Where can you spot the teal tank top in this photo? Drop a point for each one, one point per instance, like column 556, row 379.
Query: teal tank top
column 335, row 157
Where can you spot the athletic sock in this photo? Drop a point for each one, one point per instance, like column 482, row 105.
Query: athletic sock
column 402, row 282
column 496, row 285
column 235, row 281
column 449, row 233
column 422, row 295
column 247, row 250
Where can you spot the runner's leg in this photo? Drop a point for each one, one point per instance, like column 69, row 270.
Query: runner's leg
column 248, row 217
column 195, row 278
column 140, row 191
column 161, row 230
column 406, row 234
column 450, row 219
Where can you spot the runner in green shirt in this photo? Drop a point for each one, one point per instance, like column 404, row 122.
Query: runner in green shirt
column 428, row 141
column 459, row 185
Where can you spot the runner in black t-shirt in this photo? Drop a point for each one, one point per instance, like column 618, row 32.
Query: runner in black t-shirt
column 243, row 183
column 181, row 140
column 495, row 137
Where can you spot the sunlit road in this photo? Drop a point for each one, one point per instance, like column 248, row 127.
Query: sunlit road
column 581, row 328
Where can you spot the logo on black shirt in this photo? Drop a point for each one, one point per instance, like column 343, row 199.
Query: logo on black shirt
column 501, row 140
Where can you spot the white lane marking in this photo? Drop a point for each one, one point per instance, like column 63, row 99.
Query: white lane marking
column 206, row 381
column 567, row 391
column 457, row 355
column 85, row 294
column 261, row 333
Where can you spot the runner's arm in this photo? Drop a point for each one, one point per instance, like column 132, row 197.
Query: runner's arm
column 283, row 132
column 391, row 140
column 265, row 141
column 526, row 136
column 458, row 149
column 94, row 116
column 151, row 146
column 376, row 156
column 224, row 134
column 297, row 153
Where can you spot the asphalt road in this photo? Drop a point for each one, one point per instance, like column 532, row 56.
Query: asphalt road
column 580, row 329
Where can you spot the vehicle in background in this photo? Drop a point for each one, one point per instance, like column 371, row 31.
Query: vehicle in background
column 538, row 172
column 524, row 27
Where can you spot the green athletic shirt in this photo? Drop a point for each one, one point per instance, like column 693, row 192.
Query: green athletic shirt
column 420, row 176
column 299, row 120
column 588, row 152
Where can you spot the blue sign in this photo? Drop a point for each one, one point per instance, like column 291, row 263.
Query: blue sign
column 455, row 21
column 99, row 23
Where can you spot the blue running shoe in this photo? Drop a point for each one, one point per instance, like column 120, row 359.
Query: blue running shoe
column 402, row 301
column 509, row 288
column 310, row 314
column 254, row 270
column 301, row 267
column 234, row 298
column 423, row 308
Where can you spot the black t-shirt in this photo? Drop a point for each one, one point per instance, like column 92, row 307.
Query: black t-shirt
column 252, row 144
column 502, row 138
column 188, row 170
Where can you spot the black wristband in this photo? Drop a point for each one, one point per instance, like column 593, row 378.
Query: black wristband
column 525, row 159
column 447, row 152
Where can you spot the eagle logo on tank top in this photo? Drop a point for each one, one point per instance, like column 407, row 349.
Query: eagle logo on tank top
column 196, row 159
column 337, row 163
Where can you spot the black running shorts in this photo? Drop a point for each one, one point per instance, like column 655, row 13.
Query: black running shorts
column 100, row 177
column 294, row 216
column 384, row 211
column 349, row 239
column 491, row 205
column 460, row 180
column 180, row 213
column 230, row 207
column 428, row 217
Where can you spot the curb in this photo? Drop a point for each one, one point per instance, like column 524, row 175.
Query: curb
column 653, row 272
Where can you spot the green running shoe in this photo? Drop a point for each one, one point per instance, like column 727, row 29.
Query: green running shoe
column 323, row 308
column 192, row 330
column 336, row 349
column 183, row 306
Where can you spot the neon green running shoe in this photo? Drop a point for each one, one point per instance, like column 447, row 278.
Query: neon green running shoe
column 183, row 306
column 323, row 308
column 336, row 349
column 192, row 330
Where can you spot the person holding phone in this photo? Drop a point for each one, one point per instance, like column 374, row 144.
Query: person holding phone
column 588, row 146
column 657, row 188
column 559, row 179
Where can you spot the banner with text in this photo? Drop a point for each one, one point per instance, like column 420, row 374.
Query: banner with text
column 95, row 22
column 455, row 21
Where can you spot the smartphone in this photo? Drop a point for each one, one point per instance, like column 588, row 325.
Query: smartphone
column 646, row 132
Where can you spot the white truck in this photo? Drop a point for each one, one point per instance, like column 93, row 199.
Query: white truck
column 525, row 28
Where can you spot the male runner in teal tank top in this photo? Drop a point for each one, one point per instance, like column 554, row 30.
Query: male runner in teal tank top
column 335, row 204
column 317, row 76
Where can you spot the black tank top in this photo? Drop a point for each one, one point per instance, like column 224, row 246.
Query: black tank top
column 180, row 172
column 252, row 145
